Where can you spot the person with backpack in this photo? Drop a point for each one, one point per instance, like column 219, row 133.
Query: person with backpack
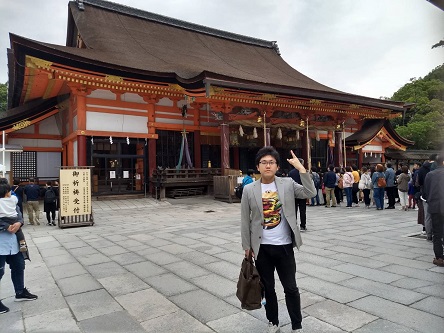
column 50, row 203
column 378, row 181
column 317, row 183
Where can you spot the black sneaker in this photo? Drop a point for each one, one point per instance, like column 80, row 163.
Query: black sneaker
column 3, row 308
column 25, row 296
column 303, row 228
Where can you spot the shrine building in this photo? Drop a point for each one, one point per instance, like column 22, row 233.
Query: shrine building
column 130, row 86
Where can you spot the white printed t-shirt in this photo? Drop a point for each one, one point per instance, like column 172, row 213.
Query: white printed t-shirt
column 276, row 229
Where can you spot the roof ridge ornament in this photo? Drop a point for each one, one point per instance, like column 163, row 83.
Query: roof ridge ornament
column 274, row 45
column 80, row 5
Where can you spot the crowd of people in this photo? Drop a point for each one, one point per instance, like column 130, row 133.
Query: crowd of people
column 371, row 186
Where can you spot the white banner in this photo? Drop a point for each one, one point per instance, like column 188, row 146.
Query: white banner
column 75, row 192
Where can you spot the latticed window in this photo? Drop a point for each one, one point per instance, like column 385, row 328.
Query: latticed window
column 24, row 165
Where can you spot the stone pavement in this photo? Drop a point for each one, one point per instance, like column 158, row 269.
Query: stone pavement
column 172, row 266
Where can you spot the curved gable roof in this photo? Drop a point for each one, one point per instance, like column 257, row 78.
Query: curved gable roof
column 142, row 40
column 370, row 128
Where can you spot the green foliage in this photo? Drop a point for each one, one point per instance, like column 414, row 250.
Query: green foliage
column 3, row 96
column 424, row 122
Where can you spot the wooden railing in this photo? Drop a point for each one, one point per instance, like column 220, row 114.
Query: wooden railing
column 183, row 182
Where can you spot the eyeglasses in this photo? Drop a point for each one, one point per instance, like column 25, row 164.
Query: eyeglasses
column 267, row 162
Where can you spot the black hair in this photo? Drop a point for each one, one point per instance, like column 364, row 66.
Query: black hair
column 267, row 150
column 331, row 167
column 16, row 181
column 389, row 165
column 49, row 183
column 4, row 189
column 3, row 181
column 250, row 172
column 354, row 167
column 348, row 168
column 314, row 169
column 31, row 180
column 433, row 157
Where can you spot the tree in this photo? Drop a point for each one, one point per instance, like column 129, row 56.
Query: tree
column 424, row 122
column 3, row 96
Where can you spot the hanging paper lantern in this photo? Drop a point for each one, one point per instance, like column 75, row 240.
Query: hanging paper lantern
column 255, row 133
column 317, row 136
column 241, row 130
column 279, row 134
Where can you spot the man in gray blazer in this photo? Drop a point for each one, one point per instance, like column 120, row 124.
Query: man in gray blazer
column 270, row 230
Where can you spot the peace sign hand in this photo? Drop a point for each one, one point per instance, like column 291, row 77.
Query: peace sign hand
column 294, row 161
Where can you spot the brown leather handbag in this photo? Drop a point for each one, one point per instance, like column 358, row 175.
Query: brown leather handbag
column 249, row 286
column 381, row 182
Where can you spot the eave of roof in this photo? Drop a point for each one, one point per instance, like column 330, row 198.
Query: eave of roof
column 87, row 59
column 370, row 128
column 29, row 111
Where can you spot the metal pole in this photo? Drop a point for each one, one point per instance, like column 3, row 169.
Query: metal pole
column 3, row 155
column 308, row 148
column 265, row 131
column 343, row 143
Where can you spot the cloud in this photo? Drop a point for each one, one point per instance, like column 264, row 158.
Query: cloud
column 366, row 47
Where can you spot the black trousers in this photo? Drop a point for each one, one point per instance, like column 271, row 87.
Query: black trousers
column 339, row 194
column 437, row 235
column 301, row 204
column 48, row 215
column 391, row 192
column 355, row 193
column 280, row 258
column 366, row 196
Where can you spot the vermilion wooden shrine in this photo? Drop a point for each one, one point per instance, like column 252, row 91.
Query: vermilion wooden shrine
column 129, row 83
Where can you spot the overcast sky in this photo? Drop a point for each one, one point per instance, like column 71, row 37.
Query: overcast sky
column 364, row 47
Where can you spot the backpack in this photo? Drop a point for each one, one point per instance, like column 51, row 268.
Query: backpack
column 341, row 183
column 238, row 190
column 316, row 180
column 381, row 181
column 50, row 196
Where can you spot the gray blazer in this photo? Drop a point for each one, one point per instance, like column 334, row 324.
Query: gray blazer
column 252, row 214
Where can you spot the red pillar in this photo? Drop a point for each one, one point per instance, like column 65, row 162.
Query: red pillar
column 197, row 150
column 360, row 158
column 236, row 157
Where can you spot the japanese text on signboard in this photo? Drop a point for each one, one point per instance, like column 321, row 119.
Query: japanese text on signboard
column 75, row 192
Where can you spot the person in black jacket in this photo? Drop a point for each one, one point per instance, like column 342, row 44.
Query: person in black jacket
column 32, row 192
column 329, row 185
column 423, row 215
column 50, row 202
column 433, row 193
